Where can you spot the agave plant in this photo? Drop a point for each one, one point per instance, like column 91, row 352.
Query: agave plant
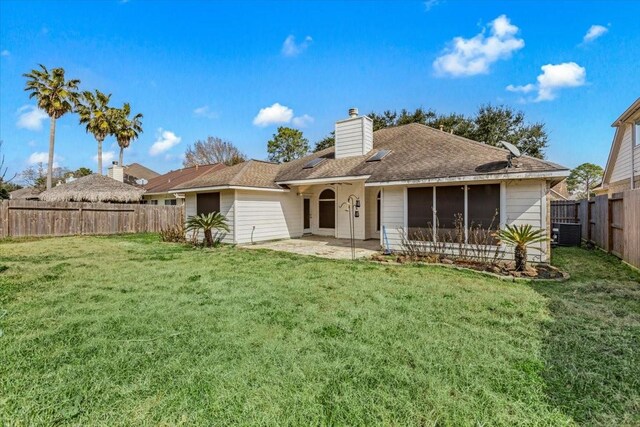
column 206, row 223
column 522, row 236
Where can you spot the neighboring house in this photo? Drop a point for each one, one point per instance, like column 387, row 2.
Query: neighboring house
column 137, row 174
column 27, row 193
column 158, row 187
column 560, row 191
column 403, row 179
column 623, row 166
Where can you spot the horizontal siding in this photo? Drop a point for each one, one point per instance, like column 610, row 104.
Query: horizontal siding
column 622, row 166
column 393, row 215
column 262, row 216
column 349, row 138
column 226, row 208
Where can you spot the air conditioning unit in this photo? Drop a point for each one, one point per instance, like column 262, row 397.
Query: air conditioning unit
column 566, row 234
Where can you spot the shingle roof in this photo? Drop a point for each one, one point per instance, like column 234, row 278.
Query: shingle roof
column 163, row 183
column 417, row 152
column 252, row 173
column 141, row 172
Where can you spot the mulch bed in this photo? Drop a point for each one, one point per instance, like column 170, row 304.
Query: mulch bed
column 502, row 268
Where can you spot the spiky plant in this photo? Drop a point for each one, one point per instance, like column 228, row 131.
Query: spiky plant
column 56, row 97
column 206, row 223
column 125, row 129
column 521, row 237
column 94, row 112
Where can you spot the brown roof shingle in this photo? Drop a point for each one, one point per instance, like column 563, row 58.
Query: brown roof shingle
column 252, row 173
column 140, row 172
column 163, row 183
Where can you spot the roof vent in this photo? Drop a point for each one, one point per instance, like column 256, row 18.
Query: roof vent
column 378, row 156
column 313, row 163
column 353, row 112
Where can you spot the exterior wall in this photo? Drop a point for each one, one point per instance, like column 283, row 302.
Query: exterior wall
column 622, row 166
column 160, row 198
column 354, row 137
column 226, row 209
column 620, row 186
column 267, row 215
column 522, row 202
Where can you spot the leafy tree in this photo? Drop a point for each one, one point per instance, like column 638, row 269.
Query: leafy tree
column 206, row 223
column 56, row 97
column 286, row 145
column 522, row 236
column 125, row 129
column 213, row 150
column 78, row 173
column 583, row 179
column 94, row 113
column 326, row 142
column 36, row 177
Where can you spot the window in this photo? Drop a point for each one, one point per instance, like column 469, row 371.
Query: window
column 153, row 202
column 637, row 142
column 207, row 203
column 327, row 209
column 450, row 213
column 170, row 202
column 483, row 204
column 420, row 212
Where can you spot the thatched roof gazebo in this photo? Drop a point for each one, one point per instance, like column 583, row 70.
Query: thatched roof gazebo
column 93, row 188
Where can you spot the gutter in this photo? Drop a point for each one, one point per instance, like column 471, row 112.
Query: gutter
column 470, row 178
column 227, row 187
column 324, row 180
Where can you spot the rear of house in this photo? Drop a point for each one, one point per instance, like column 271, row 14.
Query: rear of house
column 392, row 185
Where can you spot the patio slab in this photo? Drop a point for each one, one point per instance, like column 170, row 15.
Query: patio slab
column 325, row 247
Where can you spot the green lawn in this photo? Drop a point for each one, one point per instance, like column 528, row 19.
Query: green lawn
column 131, row 331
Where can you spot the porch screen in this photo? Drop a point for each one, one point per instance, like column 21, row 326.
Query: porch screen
column 483, row 207
column 450, row 213
column 327, row 209
column 207, row 203
column 420, row 213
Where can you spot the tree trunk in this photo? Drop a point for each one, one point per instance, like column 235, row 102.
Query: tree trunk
column 100, row 156
column 121, row 155
column 520, row 257
column 208, row 238
column 52, row 138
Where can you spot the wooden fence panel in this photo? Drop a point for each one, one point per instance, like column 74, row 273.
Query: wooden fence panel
column 616, row 226
column 19, row 218
column 631, row 226
column 565, row 211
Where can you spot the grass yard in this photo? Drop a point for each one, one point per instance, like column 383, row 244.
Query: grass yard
column 130, row 331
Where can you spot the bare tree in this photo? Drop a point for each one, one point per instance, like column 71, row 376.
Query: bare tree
column 36, row 176
column 213, row 150
column 3, row 168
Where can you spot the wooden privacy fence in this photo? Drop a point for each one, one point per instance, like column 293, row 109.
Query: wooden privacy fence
column 611, row 223
column 19, row 218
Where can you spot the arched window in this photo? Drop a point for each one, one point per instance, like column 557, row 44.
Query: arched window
column 378, row 212
column 327, row 209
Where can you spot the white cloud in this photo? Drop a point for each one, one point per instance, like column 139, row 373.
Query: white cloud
column 43, row 157
column 5, row 53
column 468, row 57
column 553, row 78
column 30, row 117
column 166, row 140
column 206, row 112
column 107, row 157
column 291, row 48
column 594, row 32
column 302, row 121
column 430, row 4
column 272, row 115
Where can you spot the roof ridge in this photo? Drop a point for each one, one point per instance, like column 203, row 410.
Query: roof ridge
column 243, row 169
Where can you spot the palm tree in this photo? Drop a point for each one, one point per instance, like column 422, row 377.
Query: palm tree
column 56, row 97
column 125, row 129
column 520, row 237
column 207, row 222
column 94, row 113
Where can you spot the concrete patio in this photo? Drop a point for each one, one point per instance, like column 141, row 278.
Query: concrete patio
column 325, row 247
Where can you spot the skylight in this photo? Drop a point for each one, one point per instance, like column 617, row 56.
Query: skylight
column 378, row 156
column 313, row 163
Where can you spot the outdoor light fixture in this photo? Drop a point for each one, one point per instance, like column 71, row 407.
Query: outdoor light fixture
column 357, row 204
column 357, row 214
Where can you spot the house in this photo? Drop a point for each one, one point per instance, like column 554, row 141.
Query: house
column 137, row 174
column 623, row 166
column 379, row 185
column 27, row 193
column 157, row 189
column 93, row 188
column 560, row 191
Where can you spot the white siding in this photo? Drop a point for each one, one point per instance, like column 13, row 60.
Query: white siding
column 226, row 209
column 525, row 203
column 267, row 215
column 343, row 228
column 354, row 137
column 622, row 166
column 371, row 194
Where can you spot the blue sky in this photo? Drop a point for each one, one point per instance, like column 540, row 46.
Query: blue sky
column 209, row 68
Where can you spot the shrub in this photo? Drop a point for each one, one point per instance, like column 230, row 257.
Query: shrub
column 174, row 234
